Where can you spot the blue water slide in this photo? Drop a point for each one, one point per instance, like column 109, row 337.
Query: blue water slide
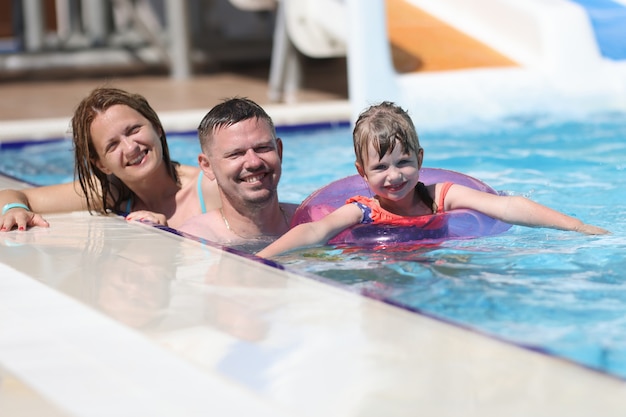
column 608, row 19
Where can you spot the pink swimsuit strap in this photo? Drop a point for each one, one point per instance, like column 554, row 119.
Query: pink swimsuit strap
column 442, row 196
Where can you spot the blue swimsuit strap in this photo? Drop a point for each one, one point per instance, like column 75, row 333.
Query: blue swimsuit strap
column 200, row 196
column 129, row 204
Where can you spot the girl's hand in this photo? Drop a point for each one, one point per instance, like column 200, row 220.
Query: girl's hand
column 590, row 229
column 147, row 217
column 21, row 219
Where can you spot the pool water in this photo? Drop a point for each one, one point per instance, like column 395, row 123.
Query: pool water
column 558, row 292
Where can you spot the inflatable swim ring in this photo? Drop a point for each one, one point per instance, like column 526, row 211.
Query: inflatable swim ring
column 454, row 224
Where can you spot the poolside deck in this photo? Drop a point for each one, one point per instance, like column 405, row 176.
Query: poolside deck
column 43, row 107
column 100, row 317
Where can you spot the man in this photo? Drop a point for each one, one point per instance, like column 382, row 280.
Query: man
column 241, row 152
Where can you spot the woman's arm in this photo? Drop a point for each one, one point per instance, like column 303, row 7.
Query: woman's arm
column 315, row 233
column 515, row 210
column 49, row 199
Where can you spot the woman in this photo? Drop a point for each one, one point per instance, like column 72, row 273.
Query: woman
column 122, row 165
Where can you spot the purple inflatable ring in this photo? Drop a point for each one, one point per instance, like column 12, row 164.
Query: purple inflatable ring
column 456, row 224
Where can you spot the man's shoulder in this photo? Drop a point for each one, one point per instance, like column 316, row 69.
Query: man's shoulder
column 202, row 224
column 289, row 209
column 289, row 206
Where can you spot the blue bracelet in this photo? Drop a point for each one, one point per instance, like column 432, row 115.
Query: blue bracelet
column 10, row 206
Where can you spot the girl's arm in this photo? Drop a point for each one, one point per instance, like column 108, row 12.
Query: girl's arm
column 315, row 233
column 515, row 210
column 48, row 199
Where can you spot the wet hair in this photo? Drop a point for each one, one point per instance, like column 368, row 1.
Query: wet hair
column 228, row 113
column 384, row 125
column 111, row 191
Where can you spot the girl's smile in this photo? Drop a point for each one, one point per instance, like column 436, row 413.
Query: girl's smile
column 396, row 187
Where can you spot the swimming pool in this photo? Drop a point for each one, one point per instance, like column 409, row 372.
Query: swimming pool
column 553, row 291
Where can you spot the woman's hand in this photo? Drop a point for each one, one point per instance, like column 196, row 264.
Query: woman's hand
column 147, row 217
column 21, row 219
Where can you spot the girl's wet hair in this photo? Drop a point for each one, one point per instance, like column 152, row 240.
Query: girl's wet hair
column 384, row 125
column 111, row 191
column 228, row 113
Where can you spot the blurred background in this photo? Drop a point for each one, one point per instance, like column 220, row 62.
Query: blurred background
column 179, row 54
column 446, row 60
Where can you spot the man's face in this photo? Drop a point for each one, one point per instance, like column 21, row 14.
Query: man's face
column 245, row 159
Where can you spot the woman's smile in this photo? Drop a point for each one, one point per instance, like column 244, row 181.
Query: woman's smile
column 137, row 160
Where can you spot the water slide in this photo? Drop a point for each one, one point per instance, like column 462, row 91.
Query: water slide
column 560, row 67
column 451, row 61
column 608, row 19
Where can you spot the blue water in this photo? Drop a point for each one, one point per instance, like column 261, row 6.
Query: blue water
column 558, row 292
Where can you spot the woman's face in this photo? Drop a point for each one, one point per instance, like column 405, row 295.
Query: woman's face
column 127, row 144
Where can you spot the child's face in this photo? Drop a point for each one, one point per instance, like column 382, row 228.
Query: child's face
column 395, row 175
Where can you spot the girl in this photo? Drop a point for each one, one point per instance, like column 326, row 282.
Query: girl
column 389, row 157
